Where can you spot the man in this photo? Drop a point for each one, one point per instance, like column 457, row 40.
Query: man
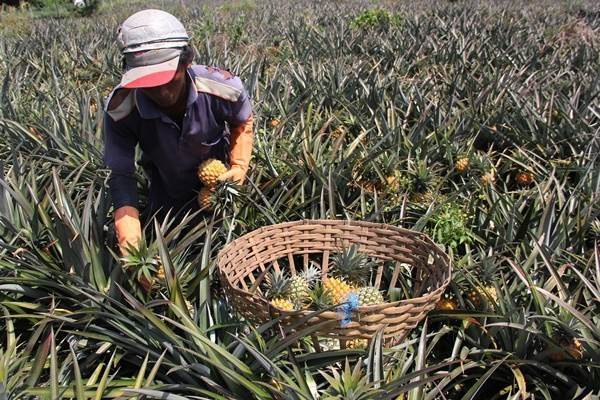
column 178, row 113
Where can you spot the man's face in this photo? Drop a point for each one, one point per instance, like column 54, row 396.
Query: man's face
column 166, row 95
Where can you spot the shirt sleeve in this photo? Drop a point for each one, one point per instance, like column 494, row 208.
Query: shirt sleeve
column 119, row 158
column 238, row 112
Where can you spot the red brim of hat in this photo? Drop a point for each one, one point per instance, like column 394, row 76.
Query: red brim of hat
column 150, row 75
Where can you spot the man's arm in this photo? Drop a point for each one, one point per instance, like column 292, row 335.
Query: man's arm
column 127, row 227
column 119, row 157
column 240, row 151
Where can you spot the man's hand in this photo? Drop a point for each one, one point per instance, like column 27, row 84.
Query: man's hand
column 240, row 152
column 128, row 228
column 235, row 174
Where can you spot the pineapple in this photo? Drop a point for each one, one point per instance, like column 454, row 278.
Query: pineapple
column 300, row 285
column 351, row 266
column 205, row 198
column 350, row 269
column 278, row 289
column 474, row 297
column 446, row 305
column 524, row 178
column 490, row 292
column 462, row 164
column 574, row 348
column 398, row 182
column 283, row 304
column 357, row 343
column 338, row 289
column 210, row 170
column 567, row 345
column 160, row 273
column 487, row 293
column 488, row 178
column 369, row 295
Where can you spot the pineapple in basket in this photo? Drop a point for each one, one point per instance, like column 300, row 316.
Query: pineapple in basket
column 278, row 290
column 300, row 286
column 369, row 295
column 350, row 273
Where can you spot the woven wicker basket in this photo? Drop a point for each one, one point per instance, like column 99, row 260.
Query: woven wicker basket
column 244, row 262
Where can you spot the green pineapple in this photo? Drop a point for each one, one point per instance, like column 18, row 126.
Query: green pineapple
column 369, row 295
column 300, row 285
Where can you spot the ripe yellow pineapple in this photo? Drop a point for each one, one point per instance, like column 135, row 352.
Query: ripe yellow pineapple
column 568, row 345
column 488, row 178
column 369, row 295
column 524, row 178
column 160, row 273
column 209, row 170
column 278, row 289
column 350, row 270
column 357, row 343
column 205, row 198
column 338, row 289
column 446, row 305
column 490, row 292
column 462, row 164
column 487, row 293
column 283, row 304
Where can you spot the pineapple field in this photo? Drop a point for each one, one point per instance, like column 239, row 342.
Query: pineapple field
column 475, row 123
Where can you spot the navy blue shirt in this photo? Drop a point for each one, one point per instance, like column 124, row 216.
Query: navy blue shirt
column 171, row 153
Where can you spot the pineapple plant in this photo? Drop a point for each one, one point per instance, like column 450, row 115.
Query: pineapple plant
column 423, row 182
column 210, row 170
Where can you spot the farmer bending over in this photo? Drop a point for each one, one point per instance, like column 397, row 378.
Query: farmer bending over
column 180, row 115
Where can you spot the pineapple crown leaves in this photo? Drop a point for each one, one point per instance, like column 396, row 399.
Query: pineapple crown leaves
column 351, row 265
column 320, row 297
column 278, row 284
column 311, row 274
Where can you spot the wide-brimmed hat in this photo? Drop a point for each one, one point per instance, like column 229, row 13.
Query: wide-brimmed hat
column 151, row 42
